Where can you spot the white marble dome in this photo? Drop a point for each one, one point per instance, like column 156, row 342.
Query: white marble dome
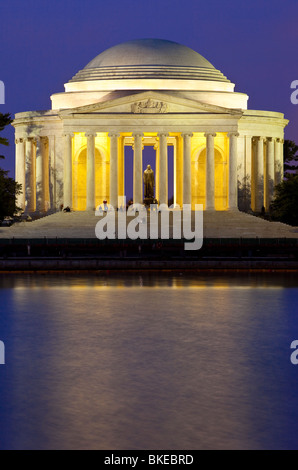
column 149, row 52
column 149, row 58
column 149, row 65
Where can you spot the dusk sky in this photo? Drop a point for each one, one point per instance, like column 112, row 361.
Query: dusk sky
column 44, row 43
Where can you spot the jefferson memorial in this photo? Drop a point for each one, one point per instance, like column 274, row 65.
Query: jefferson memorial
column 156, row 93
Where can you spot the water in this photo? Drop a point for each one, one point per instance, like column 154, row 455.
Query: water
column 148, row 362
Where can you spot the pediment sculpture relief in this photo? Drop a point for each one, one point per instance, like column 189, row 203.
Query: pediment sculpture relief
column 149, row 107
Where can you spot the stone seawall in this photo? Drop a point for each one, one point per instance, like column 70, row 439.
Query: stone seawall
column 84, row 264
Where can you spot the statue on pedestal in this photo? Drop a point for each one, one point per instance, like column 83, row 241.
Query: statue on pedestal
column 149, row 182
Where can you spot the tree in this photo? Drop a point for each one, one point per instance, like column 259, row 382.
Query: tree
column 5, row 120
column 284, row 208
column 9, row 189
column 290, row 158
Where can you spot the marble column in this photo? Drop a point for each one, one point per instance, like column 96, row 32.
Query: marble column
column 240, row 159
column 279, row 161
column 30, row 175
column 259, row 174
column 187, row 168
column 138, row 169
column 121, row 167
column 157, row 165
column 21, row 171
column 179, row 171
column 114, row 152
column 233, row 178
column 68, row 170
column 52, row 174
column 163, row 168
column 270, row 173
column 248, row 172
column 41, row 173
column 210, row 172
column 90, row 205
column 175, row 172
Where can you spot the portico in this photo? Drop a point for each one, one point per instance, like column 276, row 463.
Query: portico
column 107, row 160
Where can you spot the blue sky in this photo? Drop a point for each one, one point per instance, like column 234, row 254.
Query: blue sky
column 44, row 43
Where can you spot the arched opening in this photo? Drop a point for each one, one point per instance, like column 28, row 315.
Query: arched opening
column 102, row 178
column 80, row 179
column 199, row 180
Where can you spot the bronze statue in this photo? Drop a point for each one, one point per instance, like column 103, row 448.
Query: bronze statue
column 149, row 183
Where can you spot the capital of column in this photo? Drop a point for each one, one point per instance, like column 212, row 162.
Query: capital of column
column 68, row 134
column 259, row 138
column 210, row 134
column 138, row 135
column 233, row 134
column 163, row 134
column 41, row 139
column 90, row 134
column 114, row 134
column 20, row 140
column 186, row 134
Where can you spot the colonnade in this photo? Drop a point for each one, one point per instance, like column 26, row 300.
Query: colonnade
column 32, row 172
column 33, row 166
column 267, row 170
column 162, row 166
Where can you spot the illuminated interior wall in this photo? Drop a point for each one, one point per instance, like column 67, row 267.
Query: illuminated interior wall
column 221, row 152
column 102, row 167
column 102, row 170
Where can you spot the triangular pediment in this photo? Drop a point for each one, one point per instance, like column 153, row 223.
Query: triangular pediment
column 146, row 103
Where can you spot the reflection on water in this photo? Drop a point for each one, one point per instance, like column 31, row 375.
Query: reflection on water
column 148, row 362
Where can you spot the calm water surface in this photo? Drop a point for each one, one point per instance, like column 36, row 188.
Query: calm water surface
column 146, row 362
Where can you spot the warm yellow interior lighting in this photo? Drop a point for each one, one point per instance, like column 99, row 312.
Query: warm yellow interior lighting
column 199, row 171
column 102, row 170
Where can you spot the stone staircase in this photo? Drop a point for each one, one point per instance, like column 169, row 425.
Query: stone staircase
column 241, row 225
column 82, row 225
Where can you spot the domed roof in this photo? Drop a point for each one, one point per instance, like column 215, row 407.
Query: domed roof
column 149, row 58
column 149, row 52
